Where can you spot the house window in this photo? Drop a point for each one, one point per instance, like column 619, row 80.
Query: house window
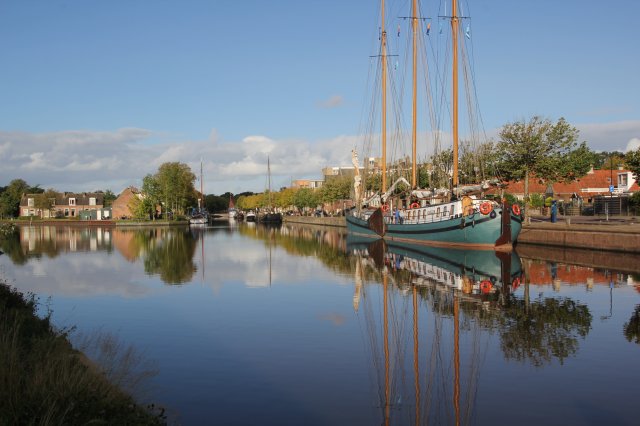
column 72, row 201
column 73, row 212
column 622, row 180
column 66, row 212
column 92, row 201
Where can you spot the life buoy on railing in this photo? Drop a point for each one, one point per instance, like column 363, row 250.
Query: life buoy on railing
column 385, row 207
column 485, row 286
column 515, row 284
column 516, row 209
column 485, row 208
column 415, row 205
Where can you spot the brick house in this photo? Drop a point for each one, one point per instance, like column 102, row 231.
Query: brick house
column 594, row 183
column 121, row 205
column 65, row 204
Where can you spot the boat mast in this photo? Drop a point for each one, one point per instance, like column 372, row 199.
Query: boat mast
column 384, row 101
column 201, row 188
column 269, row 180
column 454, row 84
column 414, row 109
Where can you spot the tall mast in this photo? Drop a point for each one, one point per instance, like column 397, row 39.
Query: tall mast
column 414, row 109
column 269, row 180
column 201, row 187
column 454, row 83
column 384, row 101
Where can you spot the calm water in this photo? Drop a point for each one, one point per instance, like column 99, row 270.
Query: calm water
column 245, row 325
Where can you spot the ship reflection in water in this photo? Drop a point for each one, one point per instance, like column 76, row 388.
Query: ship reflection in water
column 463, row 294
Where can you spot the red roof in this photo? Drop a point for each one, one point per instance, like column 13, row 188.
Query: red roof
column 594, row 179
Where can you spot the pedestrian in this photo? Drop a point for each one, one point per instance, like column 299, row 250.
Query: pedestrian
column 396, row 215
column 554, row 211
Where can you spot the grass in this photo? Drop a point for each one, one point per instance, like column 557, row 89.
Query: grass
column 43, row 380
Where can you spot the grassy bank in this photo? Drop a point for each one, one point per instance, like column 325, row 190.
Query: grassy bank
column 43, row 380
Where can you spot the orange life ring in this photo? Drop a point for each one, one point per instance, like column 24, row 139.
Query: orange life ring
column 385, row 207
column 415, row 205
column 516, row 209
column 515, row 284
column 485, row 286
column 485, row 208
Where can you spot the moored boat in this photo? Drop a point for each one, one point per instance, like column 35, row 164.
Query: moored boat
column 456, row 216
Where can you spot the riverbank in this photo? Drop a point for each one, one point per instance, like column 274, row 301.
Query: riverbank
column 101, row 223
column 43, row 380
column 619, row 234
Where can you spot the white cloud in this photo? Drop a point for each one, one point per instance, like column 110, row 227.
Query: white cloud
column 91, row 160
column 633, row 144
column 615, row 136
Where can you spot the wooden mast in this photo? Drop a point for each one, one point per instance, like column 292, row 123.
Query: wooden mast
column 384, row 102
column 414, row 109
column 454, row 84
column 269, row 181
column 201, row 188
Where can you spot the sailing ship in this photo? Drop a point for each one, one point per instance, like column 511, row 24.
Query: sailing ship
column 200, row 216
column 270, row 215
column 457, row 216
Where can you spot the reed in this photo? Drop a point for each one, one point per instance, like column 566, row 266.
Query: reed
column 44, row 380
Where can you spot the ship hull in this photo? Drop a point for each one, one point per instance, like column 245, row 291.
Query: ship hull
column 477, row 231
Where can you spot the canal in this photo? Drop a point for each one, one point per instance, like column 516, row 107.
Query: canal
column 245, row 324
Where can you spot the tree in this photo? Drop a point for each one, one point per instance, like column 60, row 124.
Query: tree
column 305, row 197
column 632, row 161
column 542, row 148
column 45, row 201
column 337, row 188
column 152, row 197
column 10, row 199
column 109, row 198
column 442, row 168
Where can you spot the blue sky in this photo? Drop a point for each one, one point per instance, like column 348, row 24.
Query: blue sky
column 96, row 94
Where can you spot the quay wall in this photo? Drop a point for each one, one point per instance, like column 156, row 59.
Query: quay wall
column 594, row 236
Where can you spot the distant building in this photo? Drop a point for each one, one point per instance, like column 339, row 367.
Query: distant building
column 121, row 206
column 307, row 183
column 65, row 204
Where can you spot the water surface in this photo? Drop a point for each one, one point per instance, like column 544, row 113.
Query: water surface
column 244, row 324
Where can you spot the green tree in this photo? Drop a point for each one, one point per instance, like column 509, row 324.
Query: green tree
column 632, row 161
column 337, row 188
column 476, row 162
column 305, row 197
column 10, row 198
column 442, row 163
column 45, row 201
column 109, row 198
column 540, row 147
column 176, row 186
column 152, row 197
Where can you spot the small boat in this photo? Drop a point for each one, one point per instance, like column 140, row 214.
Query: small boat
column 250, row 216
column 233, row 213
column 199, row 219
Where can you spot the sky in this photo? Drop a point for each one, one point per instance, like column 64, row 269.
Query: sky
column 96, row 94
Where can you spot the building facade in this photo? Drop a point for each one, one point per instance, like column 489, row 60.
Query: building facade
column 64, row 205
